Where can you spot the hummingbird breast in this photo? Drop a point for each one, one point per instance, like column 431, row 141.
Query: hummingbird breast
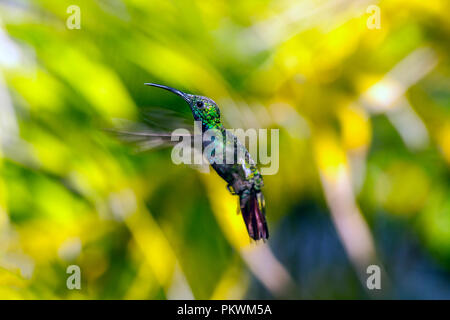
column 240, row 171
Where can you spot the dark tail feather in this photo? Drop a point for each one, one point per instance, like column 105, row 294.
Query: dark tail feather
column 253, row 212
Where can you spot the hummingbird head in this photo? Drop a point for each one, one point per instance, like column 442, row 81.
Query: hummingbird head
column 203, row 109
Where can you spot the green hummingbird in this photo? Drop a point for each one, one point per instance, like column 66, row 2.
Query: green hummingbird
column 242, row 175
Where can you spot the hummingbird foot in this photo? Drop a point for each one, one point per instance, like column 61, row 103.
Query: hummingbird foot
column 231, row 189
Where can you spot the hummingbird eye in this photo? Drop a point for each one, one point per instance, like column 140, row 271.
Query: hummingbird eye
column 200, row 104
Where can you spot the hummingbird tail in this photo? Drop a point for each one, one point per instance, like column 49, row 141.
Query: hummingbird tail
column 253, row 211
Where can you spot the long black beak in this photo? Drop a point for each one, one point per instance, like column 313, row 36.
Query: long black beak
column 176, row 91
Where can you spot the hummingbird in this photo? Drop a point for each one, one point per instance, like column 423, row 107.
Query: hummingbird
column 242, row 176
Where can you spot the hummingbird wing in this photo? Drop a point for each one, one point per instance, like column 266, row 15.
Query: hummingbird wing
column 166, row 120
column 155, row 128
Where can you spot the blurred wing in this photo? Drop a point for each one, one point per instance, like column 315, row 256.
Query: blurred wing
column 166, row 119
column 154, row 130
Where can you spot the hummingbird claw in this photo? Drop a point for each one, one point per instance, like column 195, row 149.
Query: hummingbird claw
column 231, row 189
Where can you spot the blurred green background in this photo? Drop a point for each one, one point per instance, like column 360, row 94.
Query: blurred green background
column 364, row 119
